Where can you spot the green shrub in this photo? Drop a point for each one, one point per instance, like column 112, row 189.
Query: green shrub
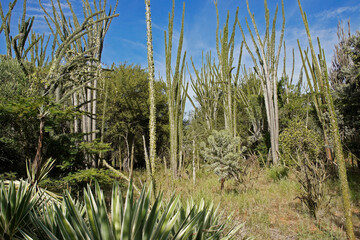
column 222, row 154
column 102, row 176
column 79, row 180
column 276, row 173
column 296, row 139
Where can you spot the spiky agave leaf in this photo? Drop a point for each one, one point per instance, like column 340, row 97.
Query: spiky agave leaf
column 16, row 202
column 132, row 219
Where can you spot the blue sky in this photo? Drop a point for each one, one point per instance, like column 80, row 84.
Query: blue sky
column 126, row 39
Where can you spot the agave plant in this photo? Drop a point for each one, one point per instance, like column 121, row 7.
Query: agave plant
column 17, row 199
column 132, row 219
column 208, row 226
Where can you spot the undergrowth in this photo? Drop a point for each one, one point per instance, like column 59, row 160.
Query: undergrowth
column 269, row 209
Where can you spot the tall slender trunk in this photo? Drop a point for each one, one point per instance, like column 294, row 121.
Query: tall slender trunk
column 175, row 91
column 94, row 162
column 147, row 162
column 88, row 109
column 93, row 112
column 132, row 158
column 36, row 165
column 76, row 120
column 266, row 61
column 120, row 155
column 193, row 162
column 152, row 120
column 102, row 131
column 165, row 167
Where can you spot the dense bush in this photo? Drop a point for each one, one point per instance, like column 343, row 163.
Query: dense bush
column 296, row 139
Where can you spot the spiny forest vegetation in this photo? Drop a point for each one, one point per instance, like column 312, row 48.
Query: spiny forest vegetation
column 264, row 154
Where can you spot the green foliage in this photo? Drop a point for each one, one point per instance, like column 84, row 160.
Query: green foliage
column 12, row 79
column 276, row 173
column 37, row 176
column 8, row 176
column 221, row 153
column 16, row 202
column 95, row 147
column 303, row 149
column 354, row 184
column 132, row 219
column 127, row 111
column 20, row 128
column 297, row 139
column 81, row 178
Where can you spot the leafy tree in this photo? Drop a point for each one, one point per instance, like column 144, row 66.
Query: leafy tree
column 126, row 117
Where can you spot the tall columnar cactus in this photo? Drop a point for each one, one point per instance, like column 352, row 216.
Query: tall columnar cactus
column 176, row 91
column 317, row 75
column 266, row 61
column 81, row 45
column 25, row 41
column 5, row 26
column 225, row 50
column 249, row 95
column 152, row 121
column 207, row 90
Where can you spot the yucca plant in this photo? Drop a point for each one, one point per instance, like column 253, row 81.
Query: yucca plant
column 132, row 219
column 16, row 203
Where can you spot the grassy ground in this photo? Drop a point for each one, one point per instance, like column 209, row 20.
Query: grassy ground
column 270, row 210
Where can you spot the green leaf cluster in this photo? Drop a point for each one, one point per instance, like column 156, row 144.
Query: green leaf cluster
column 298, row 139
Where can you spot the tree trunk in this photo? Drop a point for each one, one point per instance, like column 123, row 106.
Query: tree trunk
column 102, row 131
column 93, row 112
column 266, row 64
column 36, row 165
column 76, row 120
column 132, row 158
column 120, row 174
column 222, row 184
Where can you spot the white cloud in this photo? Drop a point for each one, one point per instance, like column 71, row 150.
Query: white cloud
column 333, row 13
column 134, row 43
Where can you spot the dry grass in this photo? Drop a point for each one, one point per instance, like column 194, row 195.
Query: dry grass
column 269, row 209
